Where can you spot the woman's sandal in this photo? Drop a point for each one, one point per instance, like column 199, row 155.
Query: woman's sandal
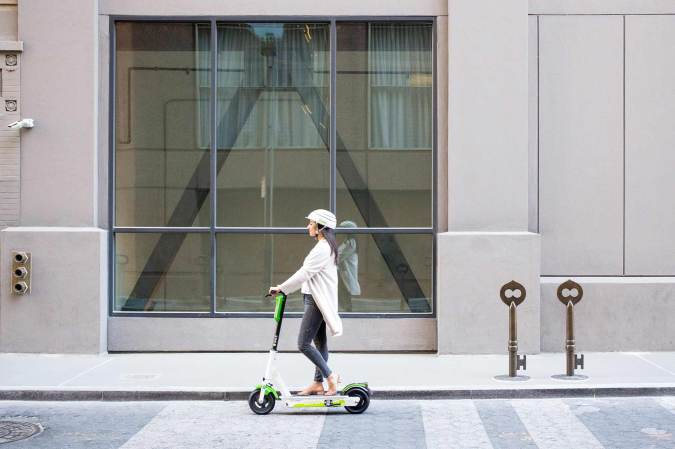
column 333, row 384
column 314, row 389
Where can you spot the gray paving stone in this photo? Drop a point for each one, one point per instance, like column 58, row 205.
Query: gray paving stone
column 626, row 422
column 390, row 424
column 578, row 423
column 77, row 425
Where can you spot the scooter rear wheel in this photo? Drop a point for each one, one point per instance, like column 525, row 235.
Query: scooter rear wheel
column 258, row 408
column 364, row 401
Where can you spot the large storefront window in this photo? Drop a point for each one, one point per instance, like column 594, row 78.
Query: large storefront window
column 228, row 134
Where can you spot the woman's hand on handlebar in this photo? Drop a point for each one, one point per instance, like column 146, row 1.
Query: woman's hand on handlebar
column 274, row 290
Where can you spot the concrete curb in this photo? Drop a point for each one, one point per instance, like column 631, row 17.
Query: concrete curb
column 158, row 395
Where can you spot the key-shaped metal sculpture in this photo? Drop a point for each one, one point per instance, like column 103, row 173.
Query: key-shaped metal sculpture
column 570, row 293
column 513, row 294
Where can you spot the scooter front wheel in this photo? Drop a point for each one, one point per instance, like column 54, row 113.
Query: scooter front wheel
column 261, row 408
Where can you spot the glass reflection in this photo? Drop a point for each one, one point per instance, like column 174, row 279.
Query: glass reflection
column 161, row 168
column 385, row 123
column 149, row 277
column 380, row 273
column 273, row 122
column 389, row 273
column 348, row 269
column 247, row 264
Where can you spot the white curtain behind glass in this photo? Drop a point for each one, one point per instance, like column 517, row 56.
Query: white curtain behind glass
column 401, row 68
column 277, row 59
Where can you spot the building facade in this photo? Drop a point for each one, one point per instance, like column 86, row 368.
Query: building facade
column 177, row 147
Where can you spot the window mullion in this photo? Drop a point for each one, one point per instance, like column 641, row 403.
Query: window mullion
column 214, row 156
column 333, row 118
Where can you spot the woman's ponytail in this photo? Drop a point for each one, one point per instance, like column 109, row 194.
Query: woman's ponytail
column 329, row 235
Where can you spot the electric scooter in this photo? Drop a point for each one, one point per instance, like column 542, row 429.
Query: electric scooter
column 355, row 398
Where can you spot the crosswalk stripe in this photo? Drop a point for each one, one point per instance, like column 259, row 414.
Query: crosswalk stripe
column 667, row 402
column 453, row 424
column 552, row 425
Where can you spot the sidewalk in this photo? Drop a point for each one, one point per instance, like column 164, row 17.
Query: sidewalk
column 231, row 376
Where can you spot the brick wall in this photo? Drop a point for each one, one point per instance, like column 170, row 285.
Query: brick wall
column 10, row 111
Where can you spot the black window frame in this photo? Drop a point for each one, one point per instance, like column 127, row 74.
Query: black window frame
column 213, row 230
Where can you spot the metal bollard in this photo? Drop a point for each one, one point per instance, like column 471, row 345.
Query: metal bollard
column 513, row 294
column 515, row 361
column 569, row 293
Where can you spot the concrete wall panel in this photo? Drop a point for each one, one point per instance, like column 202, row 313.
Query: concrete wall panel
column 581, row 144
column 650, row 139
column 59, row 90
column 65, row 311
column 267, row 8
column 601, row 7
column 473, row 267
column 255, row 334
column 103, row 105
column 615, row 314
column 533, row 125
column 487, row 143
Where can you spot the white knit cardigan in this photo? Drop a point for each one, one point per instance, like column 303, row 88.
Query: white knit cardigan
column 318, row 277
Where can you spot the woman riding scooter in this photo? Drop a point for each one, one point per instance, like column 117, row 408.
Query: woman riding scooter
column 318, row 281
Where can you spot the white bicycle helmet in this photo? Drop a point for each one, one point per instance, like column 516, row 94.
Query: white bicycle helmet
column 323, row 217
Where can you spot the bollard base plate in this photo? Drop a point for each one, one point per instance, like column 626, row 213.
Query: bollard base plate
column 506, row 377
column 566, row 377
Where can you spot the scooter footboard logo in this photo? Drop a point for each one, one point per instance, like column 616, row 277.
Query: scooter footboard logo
column 333, row 403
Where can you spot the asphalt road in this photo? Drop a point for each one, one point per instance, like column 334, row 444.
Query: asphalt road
column 640, row 422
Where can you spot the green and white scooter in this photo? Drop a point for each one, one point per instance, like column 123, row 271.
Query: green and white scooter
column 354, row 397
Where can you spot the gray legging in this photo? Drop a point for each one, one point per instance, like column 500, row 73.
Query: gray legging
column 313, row 327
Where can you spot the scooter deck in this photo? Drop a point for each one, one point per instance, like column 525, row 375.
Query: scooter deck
column 321, row 401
